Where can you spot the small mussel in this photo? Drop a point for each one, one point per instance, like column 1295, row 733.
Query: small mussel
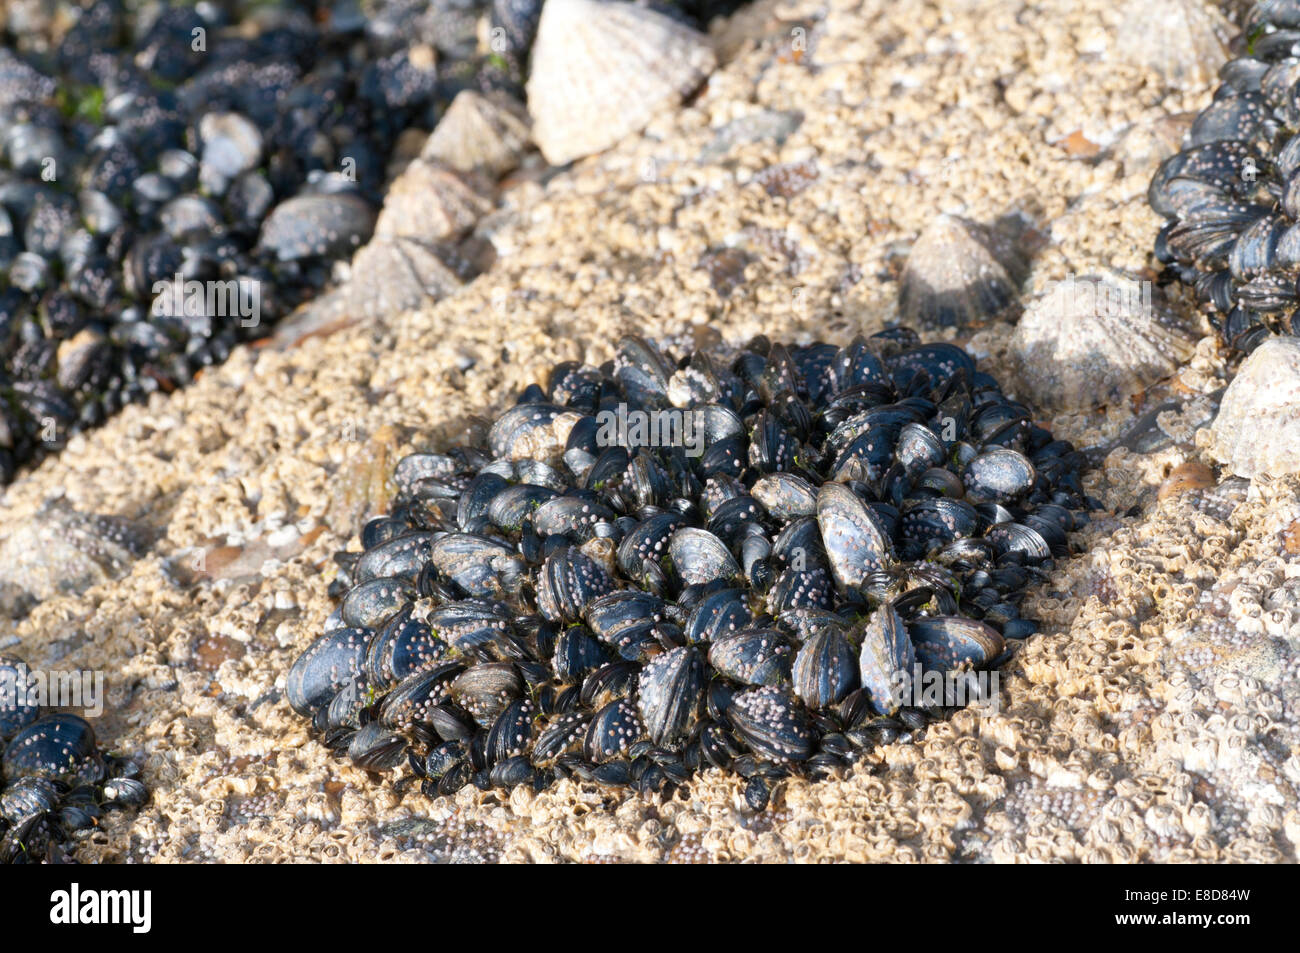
column 55, row 781
column 547, row 604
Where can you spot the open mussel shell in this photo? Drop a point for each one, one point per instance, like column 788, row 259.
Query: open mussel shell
column 1011, row 537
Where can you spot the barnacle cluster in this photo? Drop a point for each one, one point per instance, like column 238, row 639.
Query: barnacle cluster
column 738, row 559
column 55, row 782
column 1232, row 195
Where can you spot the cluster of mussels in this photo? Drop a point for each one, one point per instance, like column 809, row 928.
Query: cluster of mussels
column 55, row 783
column 239, row 144
column 174, row 179
column 1232, row 195
column 588, row 594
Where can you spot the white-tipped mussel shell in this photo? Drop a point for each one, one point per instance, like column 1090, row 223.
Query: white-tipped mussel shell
column 479, row 565
column 786, row 496
column 58, row 747
column 945, row 643
column 532, row 431
column 998, row 475
column 754, row 656
column 772, row 724
column 886, row 656
column 825, row 669
column 700, row 557
column 613, row 730
column 486, row 689
column 569, row 581
column 327, row 665
column 717, row 615
column 670, row 695
column 854, row 538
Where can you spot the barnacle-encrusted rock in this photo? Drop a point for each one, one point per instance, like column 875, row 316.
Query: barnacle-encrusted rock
column 479, row 133
column 59, row 550
column 953, row 278
column 1095, row 341
column 1257, row 431
column 601, row 70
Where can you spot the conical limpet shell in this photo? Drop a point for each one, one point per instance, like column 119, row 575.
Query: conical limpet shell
column 430, row 202
column 478, row 133
column 1257, row 431
column 953, row 278
column 1095, row 341
column 601, row 70
column 391, row 275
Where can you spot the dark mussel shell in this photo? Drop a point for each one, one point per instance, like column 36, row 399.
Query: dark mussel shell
column 670, row 695
column 825, row 670
column 57, row 747
column 327, row 665
column 754, row 656
column 772, row 725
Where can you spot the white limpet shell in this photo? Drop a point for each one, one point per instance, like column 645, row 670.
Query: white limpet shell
column 430, row 202
column 602, row 70
column 391, row 275
column 1095, row 341
column 1257, row 431
column 478, row 133
column 953, row 278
